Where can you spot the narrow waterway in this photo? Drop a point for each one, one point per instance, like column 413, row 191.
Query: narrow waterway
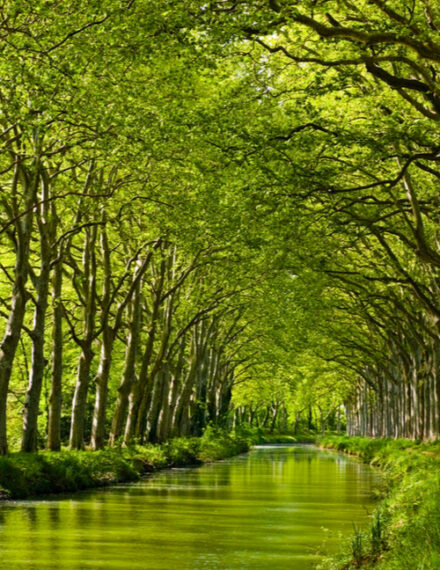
column 273, row 508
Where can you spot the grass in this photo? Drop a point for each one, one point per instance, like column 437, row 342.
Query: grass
column 24, row 475
column 404, row 533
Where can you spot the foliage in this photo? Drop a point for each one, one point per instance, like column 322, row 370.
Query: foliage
column 216, row 444
column 240, row 203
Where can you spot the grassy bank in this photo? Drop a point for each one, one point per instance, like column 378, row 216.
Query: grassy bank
column 404, row 533
column 24, row 475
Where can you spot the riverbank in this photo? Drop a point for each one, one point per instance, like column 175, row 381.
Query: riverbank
column 404, row 532
column 24, row 475
column 262, row 510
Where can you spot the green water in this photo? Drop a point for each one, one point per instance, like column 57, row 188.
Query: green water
column 273, row 508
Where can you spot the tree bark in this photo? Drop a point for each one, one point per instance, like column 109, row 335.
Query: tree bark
column 32, row 403
column 55, row 398
column 129, row 374
column 11, row 337
column 76, row 440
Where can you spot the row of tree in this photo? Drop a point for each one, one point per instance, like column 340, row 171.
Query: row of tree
column 214, row 196
column 121, row 318
column 350, row 158
column 96, row 291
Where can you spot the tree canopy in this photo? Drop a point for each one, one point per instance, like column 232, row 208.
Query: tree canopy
column 218, row 212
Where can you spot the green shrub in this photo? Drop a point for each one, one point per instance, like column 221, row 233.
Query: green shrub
column 182, row 451
column 218, row 444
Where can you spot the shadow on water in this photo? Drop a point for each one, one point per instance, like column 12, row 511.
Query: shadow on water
column 276, row 507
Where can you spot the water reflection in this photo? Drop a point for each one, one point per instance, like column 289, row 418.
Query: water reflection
column 273, row 508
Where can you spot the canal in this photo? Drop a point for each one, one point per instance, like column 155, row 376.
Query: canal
column 277, row 507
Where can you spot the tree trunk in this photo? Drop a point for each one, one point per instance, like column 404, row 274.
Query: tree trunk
column 108, row 336
column 159, row 395
column 55, row 399
column 141, row 388
column 76, row 440
column 32, row 404
column 129, row 374
column 102, row 377
column 11, row 337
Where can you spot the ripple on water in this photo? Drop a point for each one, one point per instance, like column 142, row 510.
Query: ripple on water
column 277, row 507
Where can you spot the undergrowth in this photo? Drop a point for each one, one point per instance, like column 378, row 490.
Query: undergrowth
column 404, row 532
column 24, row 475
